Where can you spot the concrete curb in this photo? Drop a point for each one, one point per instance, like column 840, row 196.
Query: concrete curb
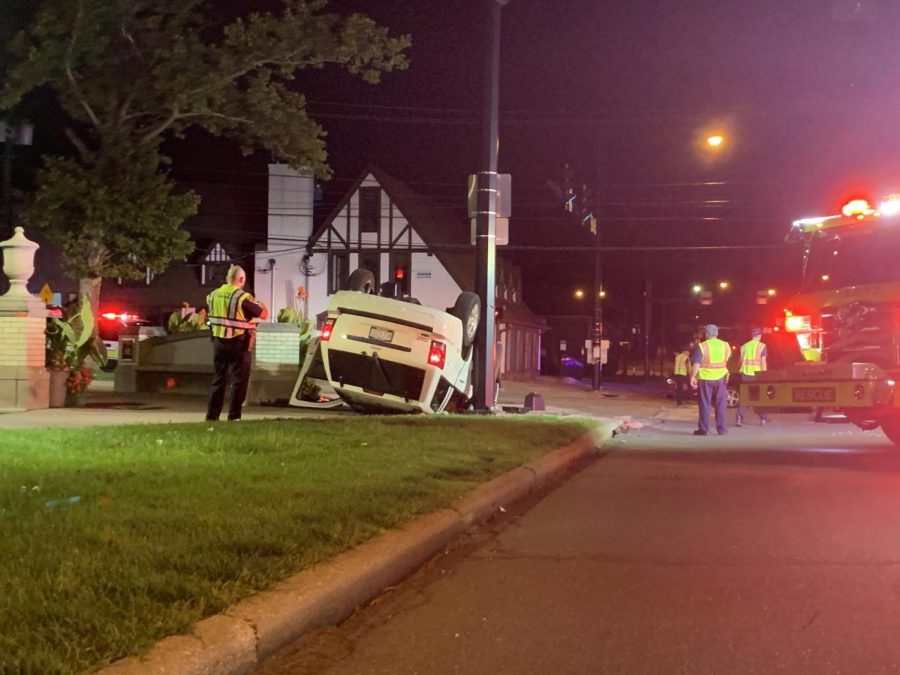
column 238, row 640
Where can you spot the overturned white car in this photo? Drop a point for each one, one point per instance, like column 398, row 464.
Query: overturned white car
column 395, row 355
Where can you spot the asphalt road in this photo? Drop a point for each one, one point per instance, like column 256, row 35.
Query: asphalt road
column 770, row 550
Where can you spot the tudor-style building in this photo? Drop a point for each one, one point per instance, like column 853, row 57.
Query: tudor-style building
column 404, row 239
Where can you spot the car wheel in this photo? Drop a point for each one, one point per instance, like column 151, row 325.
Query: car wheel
column 362, row 280
column 468, row 310
column 733, row 397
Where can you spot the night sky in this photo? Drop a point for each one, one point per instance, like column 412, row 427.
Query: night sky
column 805, row 91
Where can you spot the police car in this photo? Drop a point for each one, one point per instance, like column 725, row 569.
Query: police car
column 385, row 354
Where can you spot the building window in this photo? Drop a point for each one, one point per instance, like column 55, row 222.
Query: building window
column 371, row 262
column 215, row 266
column 369, row 208
column 400, row 270
column 338, row 271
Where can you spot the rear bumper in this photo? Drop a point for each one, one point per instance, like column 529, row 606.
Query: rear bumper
column 843, row 386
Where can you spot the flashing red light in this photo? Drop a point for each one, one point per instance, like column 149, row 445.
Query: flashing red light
column 327, row 330
column 437, row 354
column 124, row 316
column 400, row 273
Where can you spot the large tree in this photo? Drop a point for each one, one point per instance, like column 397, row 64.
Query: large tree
column 132, row 73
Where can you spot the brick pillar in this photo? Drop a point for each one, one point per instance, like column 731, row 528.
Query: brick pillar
column 24, row 382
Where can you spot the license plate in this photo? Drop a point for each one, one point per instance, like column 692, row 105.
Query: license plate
column 814, row 395
column 381, row 334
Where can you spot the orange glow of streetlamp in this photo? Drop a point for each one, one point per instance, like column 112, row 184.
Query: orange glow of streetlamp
column 715, row 140
column 579, row 293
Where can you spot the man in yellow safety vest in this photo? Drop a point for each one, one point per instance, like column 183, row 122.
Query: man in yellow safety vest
column 680, row 374
column 753, row 361
column 709, row 365
column 232, row 320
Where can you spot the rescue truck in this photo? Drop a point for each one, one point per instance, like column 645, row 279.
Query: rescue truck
column 846, row 319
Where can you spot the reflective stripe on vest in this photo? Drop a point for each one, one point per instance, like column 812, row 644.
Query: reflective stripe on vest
column 751, row 357
column 226, row 314
column 681, row 364
column 713, row 359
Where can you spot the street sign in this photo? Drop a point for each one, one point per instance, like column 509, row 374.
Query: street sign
column 46, row 295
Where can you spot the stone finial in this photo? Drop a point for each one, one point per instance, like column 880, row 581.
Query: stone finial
column 18, row 266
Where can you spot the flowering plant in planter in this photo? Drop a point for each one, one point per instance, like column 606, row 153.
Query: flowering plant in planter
column 71, row 342
column 76, row 384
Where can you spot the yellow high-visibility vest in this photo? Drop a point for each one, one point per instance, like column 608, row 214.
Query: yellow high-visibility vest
column 714, row 355
column 681, row 363
column 751, row 356
column 226, row 312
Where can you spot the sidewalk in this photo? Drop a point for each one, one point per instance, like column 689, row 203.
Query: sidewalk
column 104, row 407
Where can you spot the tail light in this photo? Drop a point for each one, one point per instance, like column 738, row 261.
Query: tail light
column 327, row 329
column 437, row 354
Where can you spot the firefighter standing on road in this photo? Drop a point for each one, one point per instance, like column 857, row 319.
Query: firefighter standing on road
column 709, row 366
column 231, row 314
column 753, row 361
column 680, row 374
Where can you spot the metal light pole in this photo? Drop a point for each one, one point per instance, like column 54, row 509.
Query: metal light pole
column 486, row 220
column 596, row 334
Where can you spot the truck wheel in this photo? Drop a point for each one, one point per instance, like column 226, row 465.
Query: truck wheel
column 891, row 428
column 361, row 280
column 468, row 310
column 733, row 397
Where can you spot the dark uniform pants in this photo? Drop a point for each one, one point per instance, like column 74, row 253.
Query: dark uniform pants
column 231, row 362
column 682, row 386
column 713, row 396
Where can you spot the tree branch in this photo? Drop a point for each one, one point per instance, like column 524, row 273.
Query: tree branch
column 79, row 144
column 71, row 75
column 175, row 116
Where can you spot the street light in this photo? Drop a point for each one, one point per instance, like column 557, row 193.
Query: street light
column 696, row 289
column 579, row 293
column 771, row 292
column 724, row 285
column 715, row 141
column 602, row 293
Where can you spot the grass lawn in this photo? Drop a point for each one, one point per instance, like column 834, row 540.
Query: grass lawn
column 114, row 537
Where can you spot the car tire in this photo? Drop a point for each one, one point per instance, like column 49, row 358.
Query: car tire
column 361, row 280
column 468, row 310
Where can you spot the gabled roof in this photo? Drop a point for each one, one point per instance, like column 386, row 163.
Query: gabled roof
column 439, row 227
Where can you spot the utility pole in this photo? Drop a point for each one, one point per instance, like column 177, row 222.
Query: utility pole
column 648, row 316
column 486, row 222
column 596, row 334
